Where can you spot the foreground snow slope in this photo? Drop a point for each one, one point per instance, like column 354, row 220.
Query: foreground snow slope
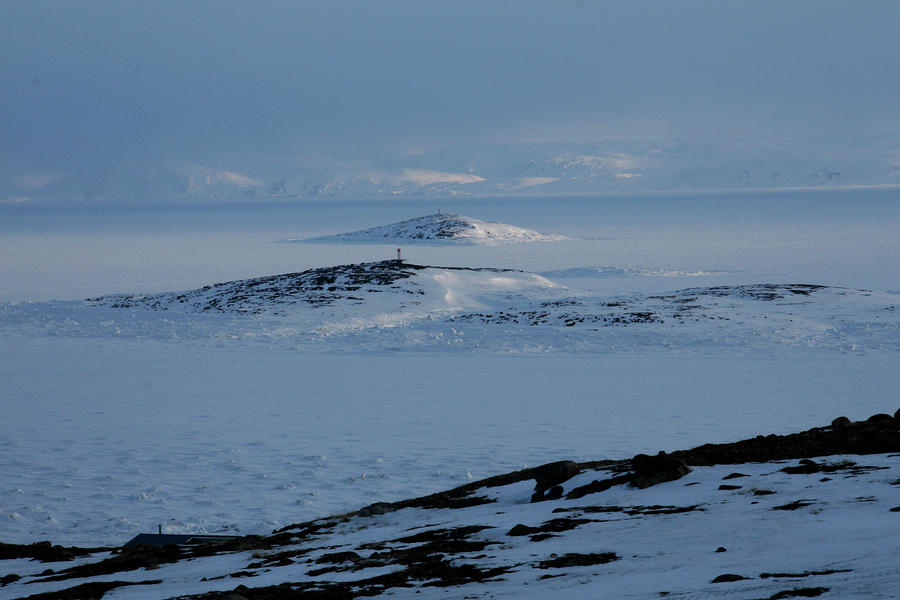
column 442, row 228
column 745, row 520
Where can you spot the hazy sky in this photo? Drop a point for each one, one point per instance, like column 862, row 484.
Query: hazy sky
column 99, row 81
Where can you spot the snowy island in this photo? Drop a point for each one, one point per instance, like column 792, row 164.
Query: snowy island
column 441, row 229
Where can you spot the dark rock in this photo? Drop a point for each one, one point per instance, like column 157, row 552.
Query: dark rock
column 726, row 487
column 128, row 558
column 734, row 476
column 794, row 505
column 6, row 579
column 44, row 551
column 578, row 560
column 840, row 422
column 551, row 526
column 803, row 574
column 879, row 418
column 378, row 508
column 799, row 592
column 239, row 574
column 866, row 437
column 553, row 474
column 655, row 509
column 805, row 467
column 442, row 536
column 897, row 414
column 721, row 549
column 338, row 557
column 895, row 509
column 728, row 577
column 763, row 492
column 652, row 470
column 89, row 591
column 597, row 486
column 520, row 529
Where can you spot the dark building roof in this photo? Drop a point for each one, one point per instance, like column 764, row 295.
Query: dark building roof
column 163, row 539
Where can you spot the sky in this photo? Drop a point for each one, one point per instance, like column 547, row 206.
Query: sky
column 87, row 85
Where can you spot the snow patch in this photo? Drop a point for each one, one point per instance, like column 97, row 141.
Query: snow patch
column 429, row 177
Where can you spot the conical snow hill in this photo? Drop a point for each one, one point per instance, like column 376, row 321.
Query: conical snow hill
column 442, row 229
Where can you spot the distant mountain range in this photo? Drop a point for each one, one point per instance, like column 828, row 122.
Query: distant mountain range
column 497, row 169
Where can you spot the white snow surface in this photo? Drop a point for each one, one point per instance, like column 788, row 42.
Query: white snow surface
column 780, row 532
column 442, row 228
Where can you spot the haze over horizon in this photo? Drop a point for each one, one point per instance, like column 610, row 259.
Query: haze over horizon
column 97, row 89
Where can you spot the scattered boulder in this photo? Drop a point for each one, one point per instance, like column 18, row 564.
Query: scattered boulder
column 548, row 477
column 794, row 505
column 338, row 557
column 878, row 436
column 93, row 590
column 43, row 551
column 127, row 558
column 652, row 470
column 379, row 508
column 520, row 529
column 805, row 467
column 721, row 549
column 799, row 593
column 728, row 577
column 554, row 493
column 551, row 526
column 597, row 486
column 879, row 418
column 553, row 474
column 803, row 574
column 578, row 560
column 840, row 422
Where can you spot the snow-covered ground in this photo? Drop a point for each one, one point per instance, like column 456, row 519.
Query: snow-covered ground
column 116, row 419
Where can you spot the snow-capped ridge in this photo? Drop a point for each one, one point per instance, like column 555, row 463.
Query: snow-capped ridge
column 441, row 228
